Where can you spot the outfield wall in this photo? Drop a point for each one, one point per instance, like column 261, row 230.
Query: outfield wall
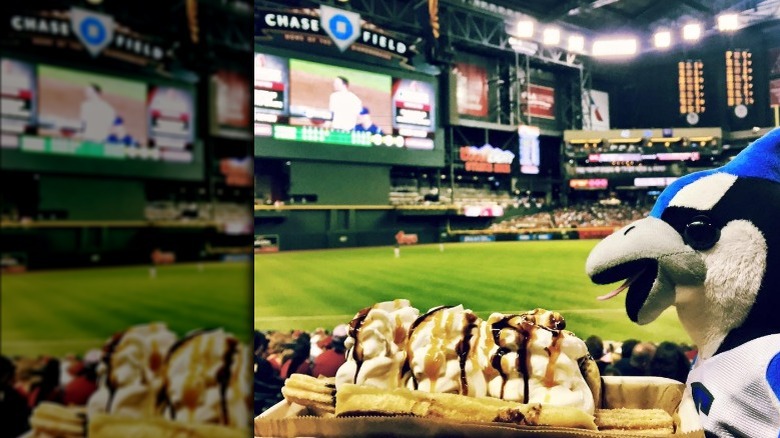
column 320, row 227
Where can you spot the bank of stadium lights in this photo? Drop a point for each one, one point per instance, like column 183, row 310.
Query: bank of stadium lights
column 615, row 47
column 728, row 22
column 525, row 29
column 692, row 31
column 662, row 39
column 576, row 44
column 551, row 36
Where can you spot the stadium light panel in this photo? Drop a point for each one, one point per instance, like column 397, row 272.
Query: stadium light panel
column 691, row 32
column 615, row 47
column 525, row 29
column 577, row 43
column 728, row 22
column 551, row 36
column 662, row 39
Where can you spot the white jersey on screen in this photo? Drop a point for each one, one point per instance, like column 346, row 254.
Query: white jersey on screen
column 735, row 399
column 97, row 118
column 346, row 107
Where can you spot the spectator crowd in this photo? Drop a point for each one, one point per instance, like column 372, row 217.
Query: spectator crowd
column 321, row 353
column 26, row 382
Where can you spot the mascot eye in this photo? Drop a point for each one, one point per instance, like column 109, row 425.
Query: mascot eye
column 700, row 234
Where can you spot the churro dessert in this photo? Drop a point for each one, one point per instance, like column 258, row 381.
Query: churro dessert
column 53, row 420
column 131, row 371
column 153, row 384
column 528, row 357
column 524, row 369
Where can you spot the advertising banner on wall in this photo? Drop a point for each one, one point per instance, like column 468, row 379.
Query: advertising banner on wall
column 230, row 104
column 472, row 89
column 539, row 101
column 330, row 30
column 774, row 92
column 77, row 30
column 596, row 111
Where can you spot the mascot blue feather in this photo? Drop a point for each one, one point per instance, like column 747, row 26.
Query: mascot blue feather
column 711, row 248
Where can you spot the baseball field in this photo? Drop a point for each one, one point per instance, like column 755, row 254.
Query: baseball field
column 310, row 289
column 72, row 311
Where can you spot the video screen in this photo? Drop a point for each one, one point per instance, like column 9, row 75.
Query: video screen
column 54, row 111
column 171, row 111
column 339, row 98
column 19, row 99
column 230, row 104
column 298, row 100
column 90, row 107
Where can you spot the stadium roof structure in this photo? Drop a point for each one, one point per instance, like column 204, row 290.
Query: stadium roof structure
column 642, row 16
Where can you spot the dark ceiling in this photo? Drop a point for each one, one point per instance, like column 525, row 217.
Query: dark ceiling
column 640, row 16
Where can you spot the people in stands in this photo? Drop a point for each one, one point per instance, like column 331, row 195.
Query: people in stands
column 640, row 359
column 14, row 411
column 48, row 387
column 267, row 383
column 625, row 355
column 298, row 361
column 82, row 384
column 596, row 349
column 669, row 361
column 317, row 339
column 327, row 363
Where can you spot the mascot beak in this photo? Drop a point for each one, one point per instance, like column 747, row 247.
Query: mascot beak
column 653, row 258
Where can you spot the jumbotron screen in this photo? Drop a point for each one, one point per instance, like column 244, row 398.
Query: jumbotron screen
column 67, row 120
column 344, row 113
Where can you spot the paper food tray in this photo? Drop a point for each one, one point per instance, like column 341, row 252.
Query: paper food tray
column 292, row 420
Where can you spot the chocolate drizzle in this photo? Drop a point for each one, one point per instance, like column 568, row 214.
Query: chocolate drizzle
column 108, row 352
column 354, row 330
column 223, row 376
column 525, row 331
column 463, row 349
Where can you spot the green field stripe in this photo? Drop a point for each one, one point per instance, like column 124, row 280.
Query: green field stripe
column 72, row 305
column 329, row 284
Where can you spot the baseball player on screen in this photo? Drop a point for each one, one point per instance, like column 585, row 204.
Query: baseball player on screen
column 344, row 105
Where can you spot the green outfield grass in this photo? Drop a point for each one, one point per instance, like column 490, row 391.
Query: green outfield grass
column 71, row 311
column 309, row 289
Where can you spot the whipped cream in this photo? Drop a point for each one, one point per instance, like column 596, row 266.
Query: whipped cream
column 536, row 361
column 528, row 357
column 130, row 372
column 442, row 354
column 207, row 380
column 376, row 345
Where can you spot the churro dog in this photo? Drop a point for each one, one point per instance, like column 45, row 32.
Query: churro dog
column 54, row 420
column 352, row 400
column 319, row 395
column 632, row 421
column 102, row 425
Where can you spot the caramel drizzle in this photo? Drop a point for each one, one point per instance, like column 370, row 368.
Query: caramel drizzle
column 554, row 350
column 410, row 353
column 162, row 396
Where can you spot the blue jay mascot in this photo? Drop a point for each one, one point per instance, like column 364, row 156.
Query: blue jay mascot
column 711, row 248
